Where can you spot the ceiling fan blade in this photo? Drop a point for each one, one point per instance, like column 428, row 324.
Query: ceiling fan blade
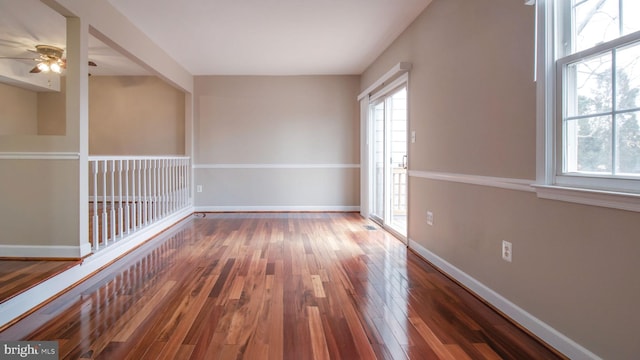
column 17, row 58
column 35, row 70
column 64, row 63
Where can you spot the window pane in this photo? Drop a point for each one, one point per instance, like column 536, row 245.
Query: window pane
column 595, row 21
column 588, row 145
column 628, row 77
column 588, row 87
column 631, row 16
column 628, row 144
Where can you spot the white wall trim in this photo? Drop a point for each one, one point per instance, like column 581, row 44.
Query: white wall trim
column 42, row 251
column 542, row 330
column 276, row 166
column 39, row 156
column 276, row 208
column 504, row 183
column 24, row 302
column 610, row 199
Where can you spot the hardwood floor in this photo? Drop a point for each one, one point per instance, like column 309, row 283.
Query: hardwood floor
column 274, row 286
column 17, row 276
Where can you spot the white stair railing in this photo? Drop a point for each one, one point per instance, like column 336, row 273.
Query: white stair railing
column 127, row 193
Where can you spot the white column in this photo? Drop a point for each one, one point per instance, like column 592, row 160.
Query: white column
column 77, row 110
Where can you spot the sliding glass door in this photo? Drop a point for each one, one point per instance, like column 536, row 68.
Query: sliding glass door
column 388, row 182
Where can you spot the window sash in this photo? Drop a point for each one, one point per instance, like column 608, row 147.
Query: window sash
column 579, row 188
column 563, row 177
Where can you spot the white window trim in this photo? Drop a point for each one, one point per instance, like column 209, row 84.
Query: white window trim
column 549, row 185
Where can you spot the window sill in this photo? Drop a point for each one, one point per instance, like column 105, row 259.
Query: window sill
column 609, row 199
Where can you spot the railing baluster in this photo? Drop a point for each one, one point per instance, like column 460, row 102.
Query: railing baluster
column 104, row 203
column 134, row 195
column 156, row 189
column 151, row 192
column 144, row 192
column 130, row 193
column 139, row 199
column 120, row 214
column 112, row 212
column 169, row 179
column 183, row 182
column 176, row 184
column 165, row 186
column 183, row 192
column 160, row 187
column 95, row 240
column 127, row 214
column 173, row 182
column 187, row 182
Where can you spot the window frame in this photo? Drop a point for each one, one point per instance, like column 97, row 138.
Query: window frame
column 551, row 180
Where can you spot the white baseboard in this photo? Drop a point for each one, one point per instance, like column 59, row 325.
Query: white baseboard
column 276, row 208
column 542, row 330
column 44, row 251
column 33, row 297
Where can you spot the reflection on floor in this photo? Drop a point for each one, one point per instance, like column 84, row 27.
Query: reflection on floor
column 274, row 286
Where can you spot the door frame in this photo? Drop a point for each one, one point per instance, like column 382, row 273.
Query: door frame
column 395, row 78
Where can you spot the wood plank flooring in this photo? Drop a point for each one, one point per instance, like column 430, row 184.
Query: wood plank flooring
column 274, row 286
column 17, row 276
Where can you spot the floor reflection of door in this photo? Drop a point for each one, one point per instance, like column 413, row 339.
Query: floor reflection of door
column 389, row 180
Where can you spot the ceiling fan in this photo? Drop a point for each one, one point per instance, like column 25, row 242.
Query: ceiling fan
column 49, row 60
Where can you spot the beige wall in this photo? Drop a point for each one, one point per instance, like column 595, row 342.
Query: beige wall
column 472, row 105
column 128, row 115
column 27, row 112
column 35, row 209
column 135, row 115
column 258, row 124
column 52, row 111
column 18, row 110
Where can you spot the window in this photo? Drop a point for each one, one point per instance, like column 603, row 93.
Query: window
column 590, row 55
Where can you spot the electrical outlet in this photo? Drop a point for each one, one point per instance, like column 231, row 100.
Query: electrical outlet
column 199, row 188
column 429, row 218
column 507, row 251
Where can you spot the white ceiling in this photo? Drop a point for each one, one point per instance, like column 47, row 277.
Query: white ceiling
column 272, row 37
column 227, row 37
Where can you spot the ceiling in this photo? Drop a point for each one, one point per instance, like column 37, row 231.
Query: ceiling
column 272, row 37
column 27, row 23
column 229, row 37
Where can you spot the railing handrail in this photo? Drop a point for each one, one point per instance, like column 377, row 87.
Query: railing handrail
column 136, row 157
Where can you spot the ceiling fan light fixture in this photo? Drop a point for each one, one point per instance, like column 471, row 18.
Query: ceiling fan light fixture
column 43, row 66
column 51, row 52
column 55, row 67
